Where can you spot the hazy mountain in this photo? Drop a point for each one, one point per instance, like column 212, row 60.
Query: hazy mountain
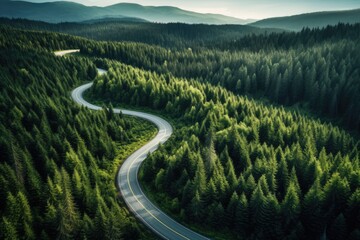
column 317, row 19
column 171, row 14
column 117, row 19
column 72, row 12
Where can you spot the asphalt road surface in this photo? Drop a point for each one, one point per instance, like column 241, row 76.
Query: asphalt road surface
column 63, row 52
column 127, row 179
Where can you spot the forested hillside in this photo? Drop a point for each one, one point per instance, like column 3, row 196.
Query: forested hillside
column 311, row 20
column 171, row 35
column 317, row 69
column 258, row 171
column 266, row 132
column 57, row 160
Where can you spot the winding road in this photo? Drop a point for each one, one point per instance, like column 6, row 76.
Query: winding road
column 127, row 179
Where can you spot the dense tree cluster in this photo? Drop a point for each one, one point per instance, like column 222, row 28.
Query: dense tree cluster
column 178, row 35
column 323, row 76
column 260, row 171
column 57, row 164
column 315, row 68
column 286, row 40
column 171, row 35
column 235, row 164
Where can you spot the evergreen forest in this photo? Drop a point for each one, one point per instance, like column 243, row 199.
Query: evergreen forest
column 58, row 160
column 266, row 140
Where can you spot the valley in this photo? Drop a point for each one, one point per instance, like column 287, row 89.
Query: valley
column 120, row 127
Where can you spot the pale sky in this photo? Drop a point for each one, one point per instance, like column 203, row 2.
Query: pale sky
column 255, row 9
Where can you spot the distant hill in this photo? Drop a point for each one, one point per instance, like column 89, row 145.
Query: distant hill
column 118, row 19
column 55, row 12
column 170, row 35
column 311, row 20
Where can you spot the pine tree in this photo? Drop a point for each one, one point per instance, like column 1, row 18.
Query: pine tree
column 270, row 218
column 312, row 215
column 231, row 210
column 250, row 185
column 238, row 151
column 290, row 207
column 196, row 207
column 114, row 226
column 295, row 182
column 210, row 156
column 51, row 220
column 258, row 200
column 200, row 177
column 231, row 176
column 100, row 223
column 8, row 230
column 242, row 216
column 264, row 185
column 68, row 215
column 211, row 193
column 13, row 210
column 26, row 219
column 160, row 179
column 187, row 193
column 336, row 193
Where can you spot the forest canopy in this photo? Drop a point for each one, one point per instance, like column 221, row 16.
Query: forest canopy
column 266, row 142
column 259, row 171
column 58, row 160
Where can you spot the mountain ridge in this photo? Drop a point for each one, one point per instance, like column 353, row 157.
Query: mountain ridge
column 66, row 11
column 63, row 11
column 310, row 20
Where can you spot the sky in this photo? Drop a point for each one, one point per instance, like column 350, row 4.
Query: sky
column 245, row 9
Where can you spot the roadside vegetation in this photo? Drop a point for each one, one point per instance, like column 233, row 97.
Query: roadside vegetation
column 266, row 141
column 241, row 167
column 58, row 161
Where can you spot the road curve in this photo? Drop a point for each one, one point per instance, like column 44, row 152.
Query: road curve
column 63, row 52
column 127, row 179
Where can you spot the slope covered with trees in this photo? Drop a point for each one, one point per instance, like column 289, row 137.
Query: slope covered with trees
column 58, row 160
column 236, row 165
column 311, row 20
column 171, row 35
column 257, row 171
column 317, row 69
